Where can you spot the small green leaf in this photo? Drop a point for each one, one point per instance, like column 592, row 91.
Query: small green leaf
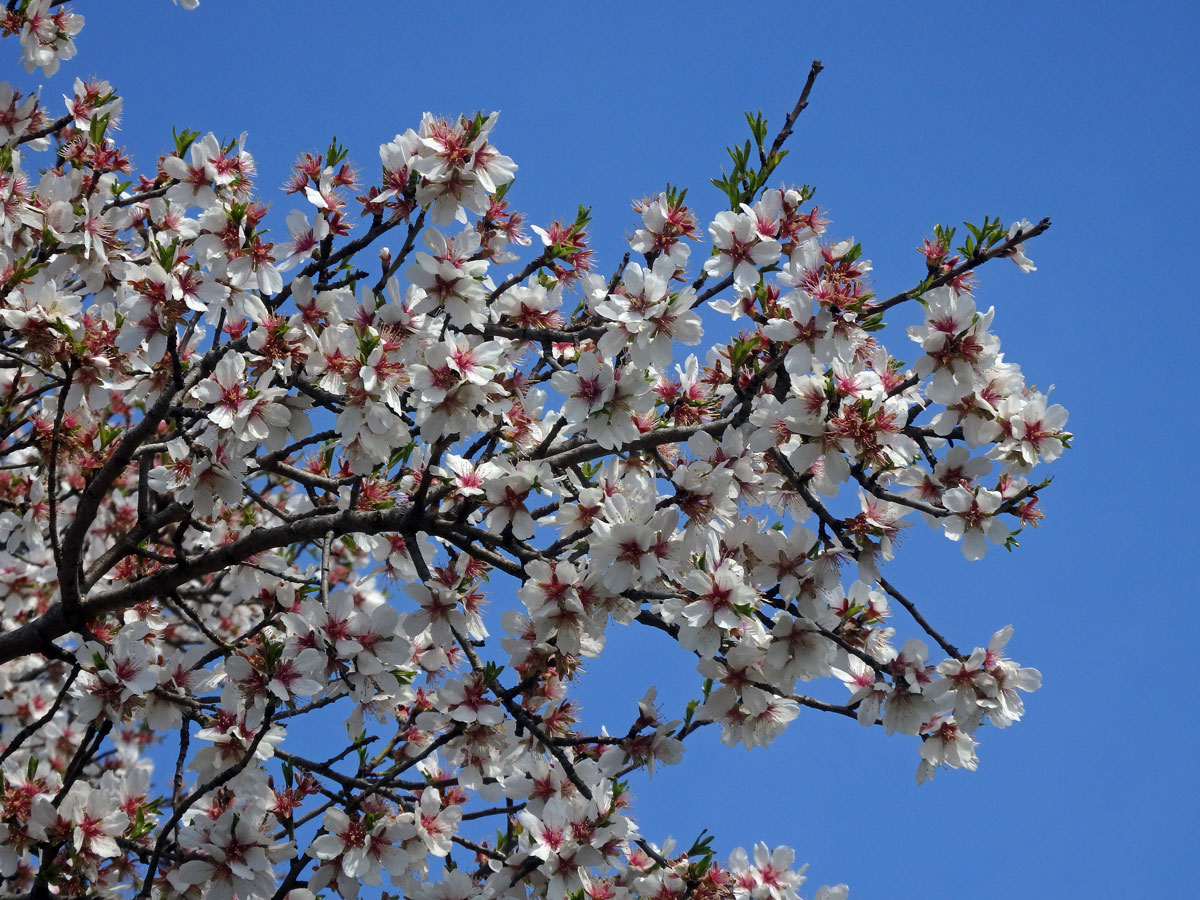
column 183, row 140
column 336, row 152
column 96, row 129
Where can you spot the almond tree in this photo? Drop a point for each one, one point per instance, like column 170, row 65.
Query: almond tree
column 247, row 480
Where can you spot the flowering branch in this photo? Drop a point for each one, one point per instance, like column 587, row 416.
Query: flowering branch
column 248, row 484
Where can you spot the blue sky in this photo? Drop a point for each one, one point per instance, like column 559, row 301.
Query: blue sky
column 930, row 112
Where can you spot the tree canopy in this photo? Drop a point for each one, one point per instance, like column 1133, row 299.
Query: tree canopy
column 249, row 480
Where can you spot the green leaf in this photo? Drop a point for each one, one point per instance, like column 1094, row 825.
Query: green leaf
column 166, row 255
column 702, row 845
column 336, row 152
column 401, row 455
column 740, row 351
column 96, row 129
column 758, row 127
column 491, row 672
column 872, row 323
column 183, row 140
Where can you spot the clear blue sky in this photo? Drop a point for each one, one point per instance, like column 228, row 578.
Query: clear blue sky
column 926, row 112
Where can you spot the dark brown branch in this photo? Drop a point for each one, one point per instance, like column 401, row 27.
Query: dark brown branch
column 211, row 785
column 786, row 131
column 30, row 729
column 672, row 435
column 56, row 125
column 1003, row 249
column 950, row 649
column 58, row 621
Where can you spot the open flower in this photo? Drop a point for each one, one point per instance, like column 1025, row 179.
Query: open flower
column 740, row 248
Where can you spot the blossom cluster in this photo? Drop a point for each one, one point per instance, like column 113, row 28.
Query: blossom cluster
column 247, row 483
